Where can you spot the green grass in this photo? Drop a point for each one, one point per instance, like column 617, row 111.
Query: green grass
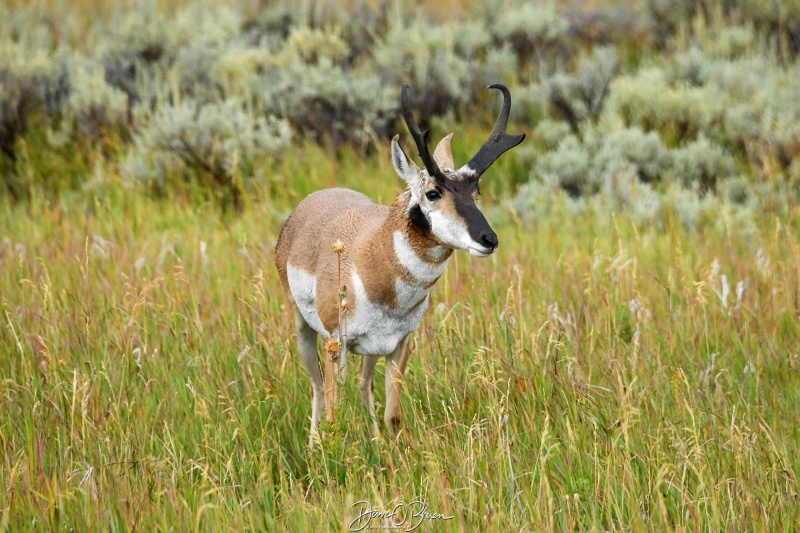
column 148, row 385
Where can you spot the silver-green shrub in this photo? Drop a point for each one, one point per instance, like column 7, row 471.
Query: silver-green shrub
column 583, row 166
column 679, row 112
column 529, row 26
column 581, row 97
column 500, row 66
column 643, row 151
column 733, row 26
column 218, row 143
column 33, row 81
column 92, row 106
column 327, row 102
column 426, row 58
column 623, row 191
column 314, row 45
column 570, row 166
column 704, row 116
column 141, row 33
column 549, row 133
column 701, row 164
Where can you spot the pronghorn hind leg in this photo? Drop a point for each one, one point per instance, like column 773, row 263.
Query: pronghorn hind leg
column 395, row 370
column 307, row 346
column 367, row 387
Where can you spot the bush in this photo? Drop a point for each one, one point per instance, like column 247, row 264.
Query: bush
column 500, row 66
column 549, row 133
column 426, row 58
column 721, row 101
column 540, row 195
column 738, row 191
column 583, row 167
column 570, row 166
column 580, row 97
column 679, row 113
column 314, row 45
column 700, row 165
column 529, row 27
column 731, row 24
column 687, row 206
column 328, row 103
column 759, row 107
column 277, row 20
column 31, row 82
column 624, row 192
column 633, row 147
column 92, row 107
column 219, row 144
column 780, row 123
column 141, row 34
column 471, row 40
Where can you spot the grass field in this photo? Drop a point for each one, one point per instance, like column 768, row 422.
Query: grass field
column 592, row 375
column 629, row 360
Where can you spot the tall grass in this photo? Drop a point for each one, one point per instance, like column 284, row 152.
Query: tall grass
column 593, row 374
column 628, row 360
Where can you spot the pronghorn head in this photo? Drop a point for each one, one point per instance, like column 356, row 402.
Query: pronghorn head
column 443, row 197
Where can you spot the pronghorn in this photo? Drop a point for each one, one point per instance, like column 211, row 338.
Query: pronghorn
column 392, row 256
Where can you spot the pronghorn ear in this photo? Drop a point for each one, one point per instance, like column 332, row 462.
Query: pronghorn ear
column 405, row 167
column 443, row 155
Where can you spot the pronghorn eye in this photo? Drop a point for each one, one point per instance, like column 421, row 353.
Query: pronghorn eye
column 433, row 195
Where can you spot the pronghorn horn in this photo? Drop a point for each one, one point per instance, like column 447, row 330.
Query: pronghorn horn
column 420, row 137
column 499, row 141
column 443, row 154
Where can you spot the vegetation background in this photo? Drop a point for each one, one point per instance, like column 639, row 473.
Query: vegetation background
column 629, row 360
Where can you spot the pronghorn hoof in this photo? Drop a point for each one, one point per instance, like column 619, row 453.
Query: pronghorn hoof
column 394, row 424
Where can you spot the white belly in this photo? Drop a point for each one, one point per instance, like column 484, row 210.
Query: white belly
column 304, row 291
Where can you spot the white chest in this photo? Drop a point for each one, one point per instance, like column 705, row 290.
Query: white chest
column 421, row 270
column 377, row 329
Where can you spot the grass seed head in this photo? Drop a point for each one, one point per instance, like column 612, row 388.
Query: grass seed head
column 332, row 348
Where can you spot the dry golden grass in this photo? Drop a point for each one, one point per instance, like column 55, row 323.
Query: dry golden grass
column 591, row 375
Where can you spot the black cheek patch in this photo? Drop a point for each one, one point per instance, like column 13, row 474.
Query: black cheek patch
column 419, row 219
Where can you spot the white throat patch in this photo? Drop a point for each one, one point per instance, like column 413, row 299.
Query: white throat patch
column 420, row 269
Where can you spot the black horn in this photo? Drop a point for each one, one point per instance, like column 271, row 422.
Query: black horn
column 499, row 141
column 420, row 137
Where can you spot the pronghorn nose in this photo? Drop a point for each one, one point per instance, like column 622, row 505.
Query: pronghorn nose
column 489, row 239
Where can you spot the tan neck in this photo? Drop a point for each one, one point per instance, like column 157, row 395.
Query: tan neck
column 399, row 251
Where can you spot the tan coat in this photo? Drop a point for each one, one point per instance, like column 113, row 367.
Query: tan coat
column 386, row 285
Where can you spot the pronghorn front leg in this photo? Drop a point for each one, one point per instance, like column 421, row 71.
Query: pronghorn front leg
column 367, row 387
column 307, row 345
column 395, row 370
